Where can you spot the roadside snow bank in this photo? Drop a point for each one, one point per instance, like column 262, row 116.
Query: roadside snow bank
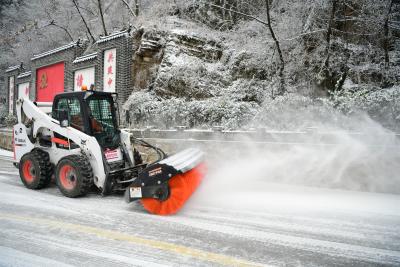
column 6, row 153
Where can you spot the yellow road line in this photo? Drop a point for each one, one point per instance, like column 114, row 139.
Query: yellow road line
column 104, row 233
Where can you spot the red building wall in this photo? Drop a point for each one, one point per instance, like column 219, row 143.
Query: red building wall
column 49, row 82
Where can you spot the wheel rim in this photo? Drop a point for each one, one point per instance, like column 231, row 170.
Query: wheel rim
column 68, row 177
column 28, row 170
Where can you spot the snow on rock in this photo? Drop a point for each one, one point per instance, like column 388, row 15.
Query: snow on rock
column 194, row 86
column 209, row 66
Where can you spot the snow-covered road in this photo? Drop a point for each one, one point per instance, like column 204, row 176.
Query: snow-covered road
column 282, row 226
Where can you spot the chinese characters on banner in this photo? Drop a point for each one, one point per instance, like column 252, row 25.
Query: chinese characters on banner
column 11, row 95
column 84, row 77
column 109, row 68
column 23, row 90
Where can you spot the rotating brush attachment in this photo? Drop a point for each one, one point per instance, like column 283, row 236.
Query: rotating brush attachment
column 181, row 187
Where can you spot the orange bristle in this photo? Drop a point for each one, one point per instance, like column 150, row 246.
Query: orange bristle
column 182, row 186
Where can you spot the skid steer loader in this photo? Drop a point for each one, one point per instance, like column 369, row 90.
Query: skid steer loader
column 80, row 145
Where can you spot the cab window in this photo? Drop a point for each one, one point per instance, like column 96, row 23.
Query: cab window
column 73, row 108
column 102, row 120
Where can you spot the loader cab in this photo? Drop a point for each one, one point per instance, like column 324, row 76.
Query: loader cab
column 91, row 112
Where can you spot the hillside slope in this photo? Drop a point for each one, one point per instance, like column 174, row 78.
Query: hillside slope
column 218, row 63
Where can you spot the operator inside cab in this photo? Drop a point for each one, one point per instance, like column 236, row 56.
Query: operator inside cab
column 95, row 124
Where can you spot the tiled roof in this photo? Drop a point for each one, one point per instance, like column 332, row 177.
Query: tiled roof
column 85, row 57
column 112, row 36
column 13, row 68
column 24, row 74
column 56, row 50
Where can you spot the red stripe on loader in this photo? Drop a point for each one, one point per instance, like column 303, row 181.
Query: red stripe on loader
column 59, row 141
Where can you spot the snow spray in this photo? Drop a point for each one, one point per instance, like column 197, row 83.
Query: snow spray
column 324, row 157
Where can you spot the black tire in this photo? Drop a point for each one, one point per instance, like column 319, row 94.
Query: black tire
column 74, row 175
column 35, row 169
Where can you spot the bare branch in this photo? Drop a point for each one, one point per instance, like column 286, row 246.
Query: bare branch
column 102, row 17
column 240, row 13
column 84, row 21
column 329, row 31
column 107, row 7
column 303, row 34
column 268, row 25
column 87, row 10
column 278, row 47
column 386, row 32
column 52, row 23
column 351, row 18
column 129, row 8
column 354, row 33
column 137, row 7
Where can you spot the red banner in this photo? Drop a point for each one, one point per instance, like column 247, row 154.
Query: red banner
column 49, row 82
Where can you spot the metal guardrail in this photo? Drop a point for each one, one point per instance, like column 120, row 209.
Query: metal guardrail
column 6, row 138
column 308, row 136
column 5, row 130
column 5, row 158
